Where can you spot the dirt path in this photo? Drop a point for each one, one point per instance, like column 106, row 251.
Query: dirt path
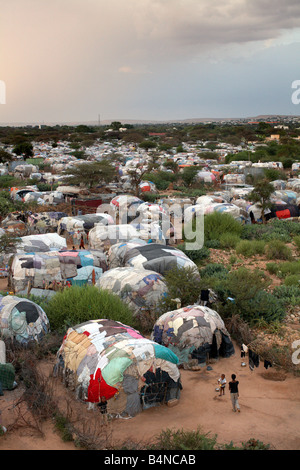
column 270, row 411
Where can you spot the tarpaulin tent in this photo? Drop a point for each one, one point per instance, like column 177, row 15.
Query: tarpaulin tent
column 22, row 320
column 41, row 242
column 125, row 207
column 157, row 258
column 105, row 358
column 141, row 289
column 193, row 332
column 147, row 186
column 44, row 222
column 45, row 270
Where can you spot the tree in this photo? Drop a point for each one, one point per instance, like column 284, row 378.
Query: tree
column 261, row 196
column 189, row 175
column 8, row 243
column 91, row 174
column 25, row 149
column 147, row 144
column 5, row 156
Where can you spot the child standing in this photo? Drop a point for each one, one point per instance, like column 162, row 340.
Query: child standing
column 222, row 384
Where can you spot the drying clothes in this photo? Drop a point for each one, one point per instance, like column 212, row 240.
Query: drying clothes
column 253, row 359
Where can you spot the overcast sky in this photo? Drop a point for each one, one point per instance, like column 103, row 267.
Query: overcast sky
column 72, row 60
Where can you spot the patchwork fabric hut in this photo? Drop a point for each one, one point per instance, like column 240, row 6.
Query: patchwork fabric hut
column 158, row 258
column 117, row 252
column 53, row 268
column 41, row 242
column 104, row 358
column 22, row 320
column 193, row 333
column 142, row 289
column 44, row 222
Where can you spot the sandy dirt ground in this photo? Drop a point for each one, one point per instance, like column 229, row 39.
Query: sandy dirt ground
column 270, row 411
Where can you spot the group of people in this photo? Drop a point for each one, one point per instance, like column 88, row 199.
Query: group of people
column 233, row 389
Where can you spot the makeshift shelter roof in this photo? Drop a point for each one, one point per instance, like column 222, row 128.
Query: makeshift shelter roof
column 141, row 289
column 42, row 222
column 41, row 242
column 117, row 252
column 193, row 332
column 158, row 258
column 105, row 358
column 44, row 270
column 22, row 320
column 81, row 223
column 103, row 237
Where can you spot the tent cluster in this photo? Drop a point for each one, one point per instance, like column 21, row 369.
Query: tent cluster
column 193, row 332
column 21, row 320
column 104, row 358
column 47, row 269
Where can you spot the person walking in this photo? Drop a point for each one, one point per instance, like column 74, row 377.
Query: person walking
column 234, row 393
column 81, row 245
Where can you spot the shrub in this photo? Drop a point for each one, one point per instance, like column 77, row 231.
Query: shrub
column 296, row 240
column 250, row 248
column 292, row 280
column 79, row 304
column 215, row 244
column 278, row 250
column 214, row 270
column 229, row 240
column 272, row 268
column 185, row 440
column 195, row 255
column 289, row 295
column 182, row 283
column 217, row 223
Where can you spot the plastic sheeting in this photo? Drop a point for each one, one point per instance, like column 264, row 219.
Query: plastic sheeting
column 105, row 358
column 141, row 289
column 22, row 320
column 193, row 332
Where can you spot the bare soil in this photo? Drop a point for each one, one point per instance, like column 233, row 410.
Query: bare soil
column 269, row 400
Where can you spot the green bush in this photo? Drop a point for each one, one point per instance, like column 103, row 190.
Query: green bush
column 80, row 304
column 182, row 283
column 250, row 248
column 185, row 440
column 278, row 250
column 292, row 280
column 214, row 244
column 214, row 270
column 217, row 223
column 195, row 255
column 273, row 268
column 229, row 241
column 289, row 295
column 296, row 240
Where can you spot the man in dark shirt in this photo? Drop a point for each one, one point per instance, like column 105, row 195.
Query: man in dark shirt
column 234, row 393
